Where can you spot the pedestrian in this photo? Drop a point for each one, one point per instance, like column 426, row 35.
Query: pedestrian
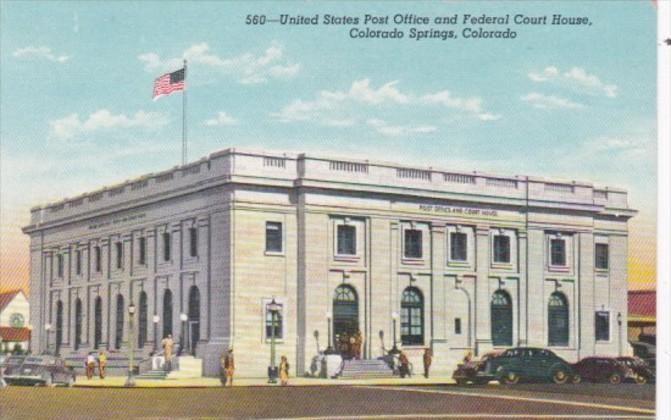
column 167, row 345
column 284, row 371
column 404, row 368
column 222, row 368
column 90, row 366
column 428, row 355
column 358, row 342
column 229, row 367
column 102, row 364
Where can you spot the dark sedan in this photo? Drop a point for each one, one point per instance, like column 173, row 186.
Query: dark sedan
column 475, row 372
column 601, row 369
column 643, row 372
column 530, row 364
column 39, row 370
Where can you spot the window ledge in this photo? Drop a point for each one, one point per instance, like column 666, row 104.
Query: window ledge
column 277, row 341
column 558, row 269
column 274, row 253
column 413, row 261
column 458, row 263
column 502, row 265
column 414, row 346
column 601, row 271
column 347, row 258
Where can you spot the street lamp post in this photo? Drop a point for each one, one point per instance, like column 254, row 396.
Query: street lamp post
column 274, row 308
column 30, row 339
column 619, row 334
column 394, row 349
column 329, row 349
column 130, row 381
column 156, row 319
column 182, row 339
column 47, row 328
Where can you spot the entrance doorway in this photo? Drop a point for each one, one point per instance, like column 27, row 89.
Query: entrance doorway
column 346, row 321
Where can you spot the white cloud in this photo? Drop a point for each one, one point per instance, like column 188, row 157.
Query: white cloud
column 538, row 100
column 40, row 52
column 247, row 68
column 221, row 119
column 326, row 106
column 72, row 125
column 387, row 129
column 577, row 78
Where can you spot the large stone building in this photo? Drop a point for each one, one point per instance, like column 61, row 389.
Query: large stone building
column 450, row 260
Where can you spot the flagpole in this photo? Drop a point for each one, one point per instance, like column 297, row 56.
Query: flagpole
column 184, row 118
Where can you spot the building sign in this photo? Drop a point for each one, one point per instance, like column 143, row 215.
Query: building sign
column 460, row 211
column 116, row 221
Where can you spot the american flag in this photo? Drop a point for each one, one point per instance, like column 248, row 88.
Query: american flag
column 168, row 83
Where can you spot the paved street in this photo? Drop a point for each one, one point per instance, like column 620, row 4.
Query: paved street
column 333, row 402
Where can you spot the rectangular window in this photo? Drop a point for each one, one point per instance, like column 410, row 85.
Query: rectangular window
column 277, row 324
column 59, row 261
column 601, row 256
column 558, row 252
column 501, row 249
column 457, row 326
column 273, row 237
column 458, row 246
column 413, row 243
column 602, row 325
column 346, row 240
column 78, row 262
column 166, row 246
column 119, row 255
column 98, row 259
column 142, row 245
column 193, row 242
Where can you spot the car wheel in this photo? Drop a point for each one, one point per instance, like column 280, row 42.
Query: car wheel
column 641, row 380
column 615, row 378
column 576, row 379
column 560, row 376
column 461, row 382
column 510, row 378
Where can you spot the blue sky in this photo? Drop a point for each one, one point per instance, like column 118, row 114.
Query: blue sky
column 76, row 81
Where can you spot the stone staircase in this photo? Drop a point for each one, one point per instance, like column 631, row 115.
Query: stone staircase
column 365, row 369
column 186, row 367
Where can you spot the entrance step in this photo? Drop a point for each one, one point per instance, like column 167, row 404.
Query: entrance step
column 365, row 369
column 187, row 367
column 159, row 374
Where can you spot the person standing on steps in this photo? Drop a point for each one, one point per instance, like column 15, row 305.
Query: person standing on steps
column 284, row 371
column 102, row 364
column 167, row 345
column 229, row 367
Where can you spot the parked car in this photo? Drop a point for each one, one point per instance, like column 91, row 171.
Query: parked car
column 476, row 372
column 39, row 370
column 530, row 364
column 643, row 372
column 601, row 369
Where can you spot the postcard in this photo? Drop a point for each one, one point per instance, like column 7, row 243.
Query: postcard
column 311, row 209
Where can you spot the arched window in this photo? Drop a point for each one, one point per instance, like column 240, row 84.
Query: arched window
column 59, row 326
column 167, row 312
column 78, row 323
column 194, row 318
column 345, row 315
column 412, row 317
column 142, row 321
column 557, row 320
column 98, row 322
column 501, row 312
column 118, row 338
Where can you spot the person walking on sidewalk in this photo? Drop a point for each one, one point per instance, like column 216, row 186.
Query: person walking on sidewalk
column 428, row 355
column 167, row 345
column 404, row 368
column 102, row 364
column 90, row 366
column 229, row 367
column 284, row 371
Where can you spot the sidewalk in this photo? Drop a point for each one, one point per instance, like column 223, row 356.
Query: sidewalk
column 119, row 381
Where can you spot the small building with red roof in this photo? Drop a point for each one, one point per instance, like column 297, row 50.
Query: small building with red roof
column 14, row 320
column 642, row 313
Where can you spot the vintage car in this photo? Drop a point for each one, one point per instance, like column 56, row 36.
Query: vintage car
column 39, row 370
column 530, row 364
column 476, row 371
column 601, row 369
column 643, row 372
